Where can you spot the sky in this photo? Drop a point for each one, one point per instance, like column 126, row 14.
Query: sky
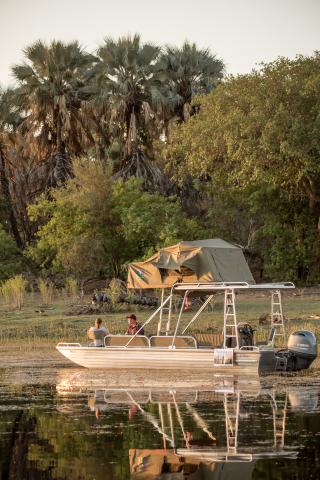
column 241, row 32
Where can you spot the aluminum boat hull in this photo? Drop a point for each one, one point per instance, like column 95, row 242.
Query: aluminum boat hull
column 158, row 358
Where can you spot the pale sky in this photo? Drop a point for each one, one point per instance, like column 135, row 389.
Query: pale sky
column 241, row 32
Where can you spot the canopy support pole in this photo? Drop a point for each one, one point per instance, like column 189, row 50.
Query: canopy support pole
column 179, row 318
column 203, row 306
column 161, row 316
column 169, row 316
column 151, row 419
column 150, row 318
column 161, row 313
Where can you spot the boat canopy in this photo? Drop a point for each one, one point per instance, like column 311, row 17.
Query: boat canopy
column 212, row 260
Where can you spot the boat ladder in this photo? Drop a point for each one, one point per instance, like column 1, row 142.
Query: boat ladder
column 230, row 327
column 279, row 411
column 232, row 410
column 277, row 320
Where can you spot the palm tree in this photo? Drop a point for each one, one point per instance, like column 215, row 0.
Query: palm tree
column 187, row 72
column 51, row 98
column 8, row 120
column 126, row 88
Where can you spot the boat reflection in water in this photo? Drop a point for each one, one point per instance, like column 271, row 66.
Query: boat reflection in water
column 212, row 433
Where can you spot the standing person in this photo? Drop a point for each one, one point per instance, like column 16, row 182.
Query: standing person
column 133, row 326
column 97, row 333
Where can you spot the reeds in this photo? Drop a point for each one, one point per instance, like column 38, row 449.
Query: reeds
column 71, row 287
column 13, row 291
column 46, row 291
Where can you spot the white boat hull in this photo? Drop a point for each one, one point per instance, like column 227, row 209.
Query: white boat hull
column 158, row 358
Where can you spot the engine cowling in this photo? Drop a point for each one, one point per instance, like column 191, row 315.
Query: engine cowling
column 303, row 345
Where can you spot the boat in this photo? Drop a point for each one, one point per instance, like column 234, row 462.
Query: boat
column 232, row 350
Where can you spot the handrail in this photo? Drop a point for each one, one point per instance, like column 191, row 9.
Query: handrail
column 212, row 286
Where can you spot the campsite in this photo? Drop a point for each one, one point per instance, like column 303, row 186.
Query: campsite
column 159, row 240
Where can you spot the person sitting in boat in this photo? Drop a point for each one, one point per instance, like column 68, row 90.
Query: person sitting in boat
column 133, row 326
column 97, row 333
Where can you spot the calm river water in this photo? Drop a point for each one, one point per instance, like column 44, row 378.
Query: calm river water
column 60, row 423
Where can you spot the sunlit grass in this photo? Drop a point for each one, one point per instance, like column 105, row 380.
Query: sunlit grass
column 34, row 325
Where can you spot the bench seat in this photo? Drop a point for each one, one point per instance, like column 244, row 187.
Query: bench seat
column 122, row 340
column 165, row 341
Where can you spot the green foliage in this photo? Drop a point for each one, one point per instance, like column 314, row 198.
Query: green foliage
column 11, row 260
column 95, row 224
column 256, row 141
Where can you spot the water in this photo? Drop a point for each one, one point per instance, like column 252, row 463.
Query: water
column 75, row 424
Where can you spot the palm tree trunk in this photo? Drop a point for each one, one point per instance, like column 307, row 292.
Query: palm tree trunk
column 4, row 185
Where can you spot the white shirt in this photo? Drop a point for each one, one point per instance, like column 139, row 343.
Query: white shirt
column 99, row 342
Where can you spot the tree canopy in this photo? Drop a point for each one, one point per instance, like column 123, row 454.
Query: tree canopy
column 107, row 156
column 257, row 137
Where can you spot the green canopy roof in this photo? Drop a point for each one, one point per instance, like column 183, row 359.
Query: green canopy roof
column 212, row 260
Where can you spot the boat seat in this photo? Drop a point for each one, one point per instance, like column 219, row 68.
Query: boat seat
column 209, row 340
column 165, row 341
column 122, row 340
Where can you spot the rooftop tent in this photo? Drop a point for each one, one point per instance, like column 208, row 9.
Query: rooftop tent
column 212, row 260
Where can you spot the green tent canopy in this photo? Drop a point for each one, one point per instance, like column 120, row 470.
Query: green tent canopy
column 212, row 260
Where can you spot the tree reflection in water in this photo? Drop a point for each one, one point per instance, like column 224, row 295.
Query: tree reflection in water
column 223, row 432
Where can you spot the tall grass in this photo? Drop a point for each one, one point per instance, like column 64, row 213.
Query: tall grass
column 71, row 287
column 46, row 291
column 13, row 291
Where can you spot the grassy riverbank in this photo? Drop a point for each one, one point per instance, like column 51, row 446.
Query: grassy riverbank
column 36, row 325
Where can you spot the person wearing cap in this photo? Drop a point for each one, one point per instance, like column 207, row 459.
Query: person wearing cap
column 133, row 325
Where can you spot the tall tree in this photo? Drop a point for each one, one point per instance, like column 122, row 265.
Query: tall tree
column 125, row 85
column 186, row 72
column 50, row 95
column 8, row 120
column 258, row 134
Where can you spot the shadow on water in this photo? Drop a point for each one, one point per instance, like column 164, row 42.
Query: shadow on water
column 77, row 424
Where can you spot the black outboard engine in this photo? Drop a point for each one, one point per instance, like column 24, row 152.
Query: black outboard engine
column 302, row 346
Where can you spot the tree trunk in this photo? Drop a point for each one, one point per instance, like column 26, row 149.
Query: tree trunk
column 4, row 185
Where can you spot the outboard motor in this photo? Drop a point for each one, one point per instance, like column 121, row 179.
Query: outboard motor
column 302, row 346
